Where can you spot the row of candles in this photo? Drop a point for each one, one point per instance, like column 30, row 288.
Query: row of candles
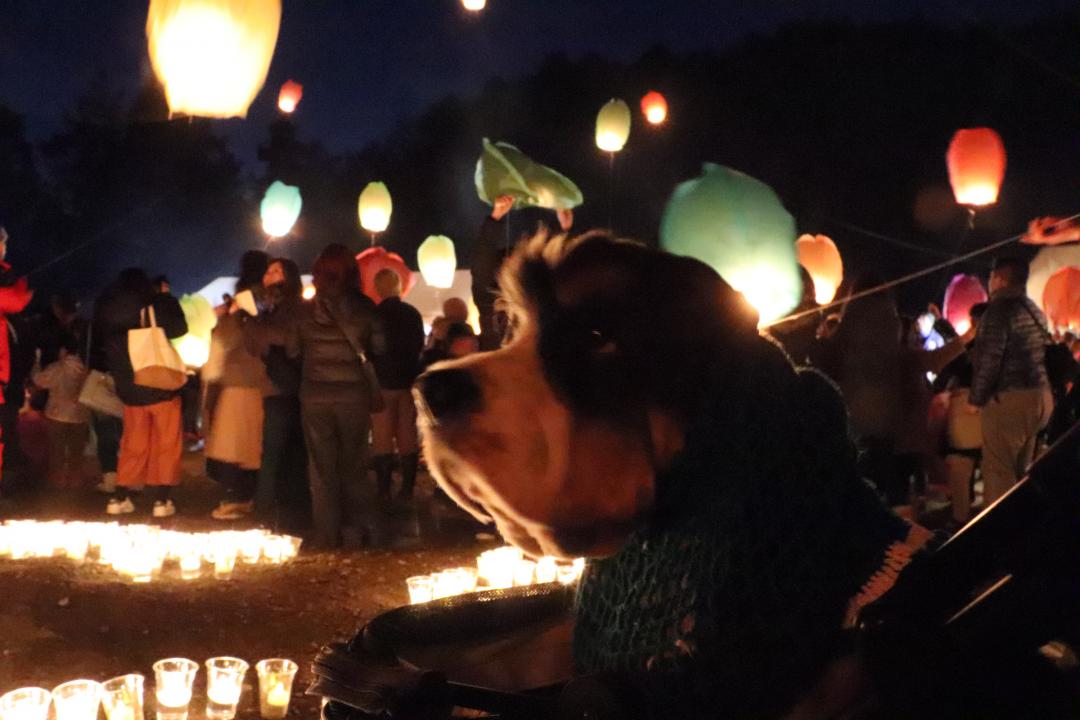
column 174, row 678
column 500, row 568
column 138, row 552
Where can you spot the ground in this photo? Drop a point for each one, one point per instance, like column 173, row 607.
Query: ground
column 60, row 621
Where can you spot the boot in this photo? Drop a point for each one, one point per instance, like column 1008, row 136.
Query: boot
column 384, row 474
column 408, row 476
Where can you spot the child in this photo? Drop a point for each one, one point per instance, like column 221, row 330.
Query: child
column 68, row 421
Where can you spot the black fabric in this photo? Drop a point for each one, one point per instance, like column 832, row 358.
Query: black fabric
column 282, row 496
column 399, row 364
column 108, row 430
column 115, row 314
column 331, row 371
column 486, row 257
column 239, row 483
column 336, row 436
column 266, row 336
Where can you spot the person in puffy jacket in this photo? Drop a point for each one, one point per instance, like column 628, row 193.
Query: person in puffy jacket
column 151, row 445
column 1009, row 383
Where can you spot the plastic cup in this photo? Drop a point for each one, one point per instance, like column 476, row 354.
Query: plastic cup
column 28, row 703
column 524, row 571
column 224, row 683
column 421, row 588
column 173, row 678
column 276, row 677
column 547, row 570
column 77, row 700
column 224, row 562
column 123, row 697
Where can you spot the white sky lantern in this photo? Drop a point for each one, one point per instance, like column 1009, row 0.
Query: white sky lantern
column 613, row 126
column 212, row 56
column 437, row 261
column 375, row 207
column 280, row 208
column 474, row 5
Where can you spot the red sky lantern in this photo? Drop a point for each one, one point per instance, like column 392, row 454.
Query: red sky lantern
column 976, row 160
column 289, row 97
column 964, row 292
column 654, row 107
column 1061, row 299
column 374, row 259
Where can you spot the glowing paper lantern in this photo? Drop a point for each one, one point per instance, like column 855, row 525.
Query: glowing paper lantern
column 374, row 259
column 737, row 225
column 654, row 107
column 280, row 208
column 613, row 126
column 289, row 96
column 437, row 261
column 1048, row 261
column 212, row 55
column 976, row 160
column 474, row 5
column 194, row 347
column 818, row 254
column 963, row 293
column 1061, row 299
column 504, row 170
column 375, row 207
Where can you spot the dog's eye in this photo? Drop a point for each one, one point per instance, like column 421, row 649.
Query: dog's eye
column 601, row 344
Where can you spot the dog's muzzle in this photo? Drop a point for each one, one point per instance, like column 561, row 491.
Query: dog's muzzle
column 447, row 395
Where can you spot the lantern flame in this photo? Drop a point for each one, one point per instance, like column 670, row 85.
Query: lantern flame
column 655, row 108
column 976, row 160
column 212, row 56
column 289, row 97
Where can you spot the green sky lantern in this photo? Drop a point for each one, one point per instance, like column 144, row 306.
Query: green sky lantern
column 280, row 209
column 437, row 261
column 737, row 225
column 504, row 170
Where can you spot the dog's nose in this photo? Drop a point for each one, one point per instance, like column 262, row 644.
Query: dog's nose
column 449, row 394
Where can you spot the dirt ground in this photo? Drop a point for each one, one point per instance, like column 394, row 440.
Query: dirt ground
column 60, row 621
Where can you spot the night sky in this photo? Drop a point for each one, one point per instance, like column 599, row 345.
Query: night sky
column 366, row 64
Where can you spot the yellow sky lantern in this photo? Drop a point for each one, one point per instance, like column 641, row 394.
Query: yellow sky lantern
column 437, row 261
column 375, row 207
column 212, row 56
column 613, row 126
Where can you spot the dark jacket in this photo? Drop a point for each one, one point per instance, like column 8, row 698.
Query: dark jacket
column 487, row 256
column 398, row 367
column 1009, row 347
column 266, row 335
column 116, row 312
column 330, row 368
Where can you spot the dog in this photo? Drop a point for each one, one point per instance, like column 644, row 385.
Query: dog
column 636, row 416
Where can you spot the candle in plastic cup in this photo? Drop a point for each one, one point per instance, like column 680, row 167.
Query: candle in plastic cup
column 224, row 682
column 173, row 679
column 123, row 697
column 466, row 579
column 190, row 564
column 523, row 572
column 223, row 564
column 275, row 687
column 421, row 588
column 28, row 703
column 547, row 570
column 567, row 574
column 76, row 700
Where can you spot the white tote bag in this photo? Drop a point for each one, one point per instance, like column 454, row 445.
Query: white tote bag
column 153, row 358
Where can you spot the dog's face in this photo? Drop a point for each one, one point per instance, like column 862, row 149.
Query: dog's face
column 558, row 436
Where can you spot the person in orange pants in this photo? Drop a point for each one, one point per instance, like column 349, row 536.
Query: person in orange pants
column 150, row 451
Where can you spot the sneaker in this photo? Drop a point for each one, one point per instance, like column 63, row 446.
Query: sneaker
column 164, row 509
column 233, row 510
column 120, row 507
column 107, row 484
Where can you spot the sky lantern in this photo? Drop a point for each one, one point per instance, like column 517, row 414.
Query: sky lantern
column 976, row 160
column 613, row 126
column 212, row 56
column 1061, row 299
column 289, row 96
column 474, row 5
column 437, row 261
column 375, row 208
column 818, row 254
column 1048, row 261
column 963, row 293
column 738, row 226
column 280, row 209
column 654, row 107
column 504, row 170
column 194, row 347
column 374, row 259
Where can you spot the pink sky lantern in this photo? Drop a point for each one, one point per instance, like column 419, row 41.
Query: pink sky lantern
column 374, row 259
column 963, row 293
column 289, row 97
column 1061, row 299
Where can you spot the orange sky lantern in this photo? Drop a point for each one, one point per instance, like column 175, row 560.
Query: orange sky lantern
column 1061, row 299
column 976, row 160
column 289, row 97
column 474, row 5
column 818, row 254
column 654, row 107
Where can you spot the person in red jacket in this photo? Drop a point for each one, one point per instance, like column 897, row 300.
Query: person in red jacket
column 15, row 294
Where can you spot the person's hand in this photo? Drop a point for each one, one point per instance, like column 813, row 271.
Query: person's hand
column 503, row 204
column 566, row 218
column 1051, row 231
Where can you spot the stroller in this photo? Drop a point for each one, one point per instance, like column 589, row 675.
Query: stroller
column 966, row 632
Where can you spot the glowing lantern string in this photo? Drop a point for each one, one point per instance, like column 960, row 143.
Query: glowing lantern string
column 289, row 96
column 738, row 226
column 437, row 261
column 976, row 160
column 280, row 209
column 654, row 107
column 212, row 56
column 375, row 208
column 818, row 254
column 613, row 126
column 963, row 293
